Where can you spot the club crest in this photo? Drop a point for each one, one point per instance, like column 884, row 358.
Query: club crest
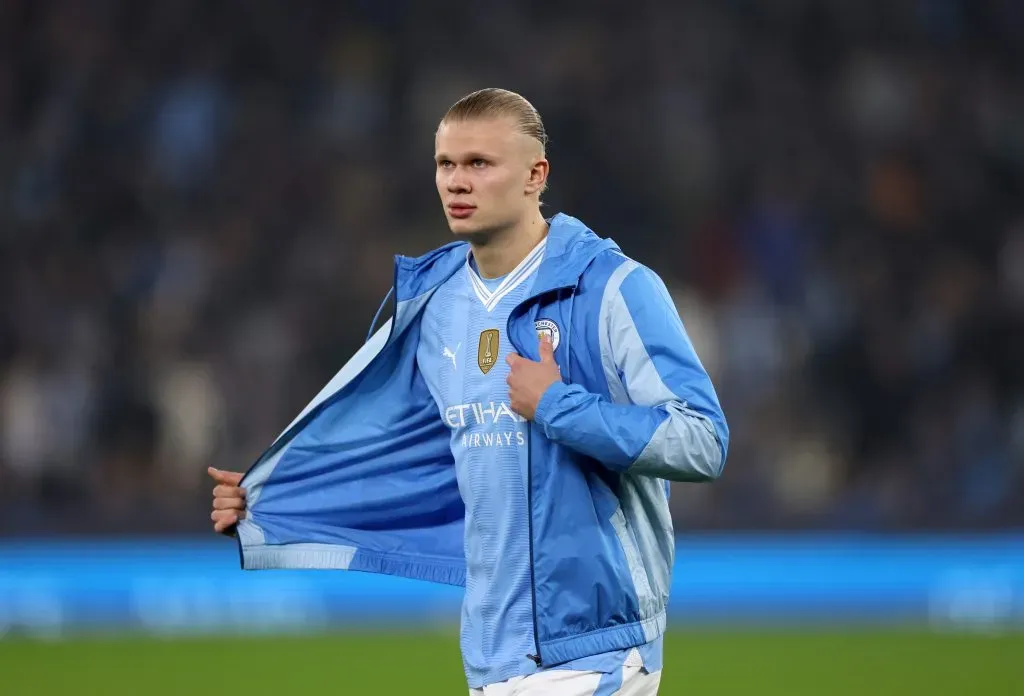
column 546, row 327
column 487, row 351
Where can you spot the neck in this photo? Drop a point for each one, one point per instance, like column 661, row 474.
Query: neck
column 503, row 250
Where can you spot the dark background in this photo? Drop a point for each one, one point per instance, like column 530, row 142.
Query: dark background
column 200, row 201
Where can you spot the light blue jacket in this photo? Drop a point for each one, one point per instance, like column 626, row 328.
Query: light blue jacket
column 363, row 478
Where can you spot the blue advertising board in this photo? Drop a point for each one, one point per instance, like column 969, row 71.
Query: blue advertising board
column 195, row 585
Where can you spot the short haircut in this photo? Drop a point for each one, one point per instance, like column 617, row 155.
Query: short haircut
column 494, row 102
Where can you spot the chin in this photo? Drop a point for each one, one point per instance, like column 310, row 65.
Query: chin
column 465, row 228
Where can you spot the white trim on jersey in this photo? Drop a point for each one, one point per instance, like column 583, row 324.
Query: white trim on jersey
column 518, row 274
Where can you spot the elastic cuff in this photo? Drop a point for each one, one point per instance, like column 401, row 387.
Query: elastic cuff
column 546, row 407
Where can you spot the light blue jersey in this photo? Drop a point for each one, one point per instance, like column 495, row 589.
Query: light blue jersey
column 462, row 356
column 462, row 352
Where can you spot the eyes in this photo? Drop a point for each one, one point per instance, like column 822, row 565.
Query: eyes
column 478, row 163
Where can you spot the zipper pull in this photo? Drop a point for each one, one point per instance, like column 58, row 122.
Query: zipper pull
column 535, row 658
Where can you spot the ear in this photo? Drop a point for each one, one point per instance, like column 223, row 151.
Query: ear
column 538, row 176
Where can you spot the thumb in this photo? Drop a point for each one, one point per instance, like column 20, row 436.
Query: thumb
column 547, row 351
column 231, row 478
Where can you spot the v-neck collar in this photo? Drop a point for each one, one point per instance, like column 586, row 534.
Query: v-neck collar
column 511, row 281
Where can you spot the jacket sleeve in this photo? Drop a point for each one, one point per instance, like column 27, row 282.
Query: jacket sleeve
column 663, row 418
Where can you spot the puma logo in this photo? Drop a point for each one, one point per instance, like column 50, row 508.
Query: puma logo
column 448, row 353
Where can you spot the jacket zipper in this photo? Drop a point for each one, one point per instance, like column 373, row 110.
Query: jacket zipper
column 536, row 658
column 529, row 517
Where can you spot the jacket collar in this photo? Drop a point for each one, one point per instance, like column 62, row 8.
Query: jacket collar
column 570, row 249
column 571, row 246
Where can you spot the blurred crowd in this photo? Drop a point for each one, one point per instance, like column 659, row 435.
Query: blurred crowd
column 200, row 201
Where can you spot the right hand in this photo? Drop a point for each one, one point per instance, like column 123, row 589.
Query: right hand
column 228, row 500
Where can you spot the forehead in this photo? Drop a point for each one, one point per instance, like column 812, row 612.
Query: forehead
column 478, row 134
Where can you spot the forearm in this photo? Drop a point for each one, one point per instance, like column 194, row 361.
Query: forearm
column 667, row 441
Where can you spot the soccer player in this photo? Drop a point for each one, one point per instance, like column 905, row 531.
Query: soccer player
column 511, row 428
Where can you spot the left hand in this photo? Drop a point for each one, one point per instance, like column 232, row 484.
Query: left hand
column 528, row 380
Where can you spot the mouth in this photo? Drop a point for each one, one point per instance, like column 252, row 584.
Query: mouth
column 460, row 210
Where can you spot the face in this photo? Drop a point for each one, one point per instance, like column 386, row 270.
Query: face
column 488, row 175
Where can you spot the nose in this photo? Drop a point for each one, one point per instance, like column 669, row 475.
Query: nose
column 458, row 182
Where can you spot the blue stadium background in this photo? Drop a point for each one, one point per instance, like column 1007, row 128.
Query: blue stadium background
column 192, row 587
column 199, row 205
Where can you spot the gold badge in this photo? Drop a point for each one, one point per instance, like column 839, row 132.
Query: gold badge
column 487, row 351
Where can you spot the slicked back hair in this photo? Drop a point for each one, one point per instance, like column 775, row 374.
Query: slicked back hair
column 494, row 102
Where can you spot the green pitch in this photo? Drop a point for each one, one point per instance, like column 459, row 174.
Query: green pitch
column 698, row 663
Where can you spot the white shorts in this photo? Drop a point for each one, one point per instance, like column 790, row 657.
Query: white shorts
column 625, row 681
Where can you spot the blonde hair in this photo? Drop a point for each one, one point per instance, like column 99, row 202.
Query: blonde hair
column 494, row 102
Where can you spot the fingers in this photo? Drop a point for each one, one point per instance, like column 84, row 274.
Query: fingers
column 228, row 504
column 513, row 358
column 224, row 520
column 228, row 500
column 224, row 491
column 228, row 507
column 231, row 478
column 227, row 518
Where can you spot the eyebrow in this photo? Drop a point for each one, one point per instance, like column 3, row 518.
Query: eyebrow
column 466, row 157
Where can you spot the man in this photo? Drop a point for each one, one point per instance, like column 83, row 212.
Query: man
column 512, row 428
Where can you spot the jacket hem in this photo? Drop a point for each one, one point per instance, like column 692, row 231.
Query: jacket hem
column 603, row 640
column 340, row 557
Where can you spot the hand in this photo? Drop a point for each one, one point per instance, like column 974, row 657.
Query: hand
column 528, row 380
column 228, row 500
